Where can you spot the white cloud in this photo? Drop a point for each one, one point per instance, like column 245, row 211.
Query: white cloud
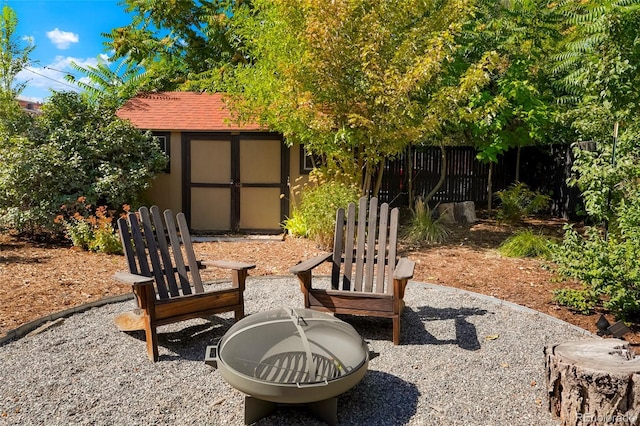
column 62, row 39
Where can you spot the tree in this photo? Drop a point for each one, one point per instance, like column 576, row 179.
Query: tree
column 74, row 149
column 517, row 108
column 110, row 87
column 353, row 81
column 13, row 59
column 179, row 44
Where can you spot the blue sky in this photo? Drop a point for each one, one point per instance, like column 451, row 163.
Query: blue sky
column 62, row 31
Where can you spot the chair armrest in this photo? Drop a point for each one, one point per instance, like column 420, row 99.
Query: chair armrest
column 133, row 279
column 404, row 269
column 239, row 266
column 309, row 264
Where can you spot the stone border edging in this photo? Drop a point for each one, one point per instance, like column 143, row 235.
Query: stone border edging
column 27, row 328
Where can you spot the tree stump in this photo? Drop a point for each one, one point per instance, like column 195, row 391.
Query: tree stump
column 593, row 382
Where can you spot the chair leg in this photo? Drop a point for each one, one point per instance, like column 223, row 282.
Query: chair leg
column 152, row 341
column 239, row 313
column 396, row 329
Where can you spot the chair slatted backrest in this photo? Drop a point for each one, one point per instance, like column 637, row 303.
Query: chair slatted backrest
column 366, row 243
column 159, row 246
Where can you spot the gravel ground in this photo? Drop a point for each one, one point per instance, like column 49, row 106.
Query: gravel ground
column 465, row 359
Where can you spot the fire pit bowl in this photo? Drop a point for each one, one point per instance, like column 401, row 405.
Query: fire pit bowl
column 290, row 356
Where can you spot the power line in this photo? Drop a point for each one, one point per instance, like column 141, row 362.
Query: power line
column 47, row 67
column 52, row 79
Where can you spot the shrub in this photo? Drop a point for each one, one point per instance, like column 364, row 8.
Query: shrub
column 296, row 225
column 94, row 232
column 316, row 215
column 527, row 244
column 73, row 149
column 582, row 301
column 518, row 202
column 608, row 265
column 423, row 227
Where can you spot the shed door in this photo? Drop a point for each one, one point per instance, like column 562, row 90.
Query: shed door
column 234, row 182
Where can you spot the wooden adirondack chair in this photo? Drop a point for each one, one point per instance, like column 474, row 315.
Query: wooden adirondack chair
column 366, row 278
column 165, row 276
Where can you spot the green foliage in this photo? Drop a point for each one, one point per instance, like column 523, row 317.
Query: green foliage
column 179, row 44
column 320, row 201
column 13, row 57
column 354, row 81
column 109, row 87
column 517, row 108
column 91, row 229
column 526, row 243
column 608, row 266
column 600, row 59
column 423, row 227
column 582, row 301
column 73, row 149
column 296, row 225
column 518, row 201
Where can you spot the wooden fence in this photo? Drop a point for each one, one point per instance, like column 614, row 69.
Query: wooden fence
column 542, row 168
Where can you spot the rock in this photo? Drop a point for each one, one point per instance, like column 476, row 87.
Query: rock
column 465, row 212
column 593, row 382
column 446, row 212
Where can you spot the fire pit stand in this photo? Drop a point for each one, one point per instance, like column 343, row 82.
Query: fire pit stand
column 290, row 356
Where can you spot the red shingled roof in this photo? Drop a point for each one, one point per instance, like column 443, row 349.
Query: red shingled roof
column 185, row 111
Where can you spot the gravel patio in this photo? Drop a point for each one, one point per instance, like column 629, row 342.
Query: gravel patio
column 465, row 359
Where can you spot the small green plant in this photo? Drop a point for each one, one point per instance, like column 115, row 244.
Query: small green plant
column 518, row 202
column 423, row 227
column 296, row 225
column 582, row 301
column 316, row 215
column 90, row 231
column 526, row 243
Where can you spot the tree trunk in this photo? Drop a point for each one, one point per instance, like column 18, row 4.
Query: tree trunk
column 443, row 175
column 593, row 382
column 409, row 174
column 490, row 189
column 518, row 153
column 376, row 189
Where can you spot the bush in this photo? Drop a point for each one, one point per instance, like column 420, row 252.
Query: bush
column 94, row 232
column 518, row 202
column 316, row 215
column 582, row 301
column 608, row 265
column 423, row 227
column 73, row 149
column 527, row 244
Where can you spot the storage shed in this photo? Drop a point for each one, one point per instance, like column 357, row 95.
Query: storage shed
column 225, row 177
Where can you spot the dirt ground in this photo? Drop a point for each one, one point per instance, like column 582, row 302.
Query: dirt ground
column 37, row 280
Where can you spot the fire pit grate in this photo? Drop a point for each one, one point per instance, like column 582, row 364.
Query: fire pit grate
column 290, row 367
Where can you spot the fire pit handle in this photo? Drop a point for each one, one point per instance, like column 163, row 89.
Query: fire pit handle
column 211, row 359
column 310, row 385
